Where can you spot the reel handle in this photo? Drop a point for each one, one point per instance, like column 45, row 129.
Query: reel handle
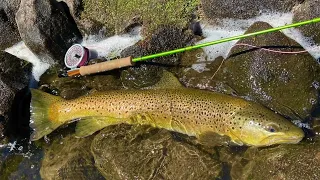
column 106, row 66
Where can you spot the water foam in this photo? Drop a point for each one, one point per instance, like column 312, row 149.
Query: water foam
column 21, row 51
column 111, row 46
column 235, row 27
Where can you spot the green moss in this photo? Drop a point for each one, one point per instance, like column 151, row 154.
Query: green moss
column 117, row 14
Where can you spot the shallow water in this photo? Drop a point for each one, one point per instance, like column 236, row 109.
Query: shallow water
column 24, row 157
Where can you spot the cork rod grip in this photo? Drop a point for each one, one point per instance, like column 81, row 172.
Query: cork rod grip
column 106, row 66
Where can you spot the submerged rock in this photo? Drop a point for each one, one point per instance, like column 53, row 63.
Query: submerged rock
column 69, row 158
column 300, row 161
column 141, row 152
column 219, row 9
column 282, row 82
column 73, row 87
column 47, row 29
column 306, row 11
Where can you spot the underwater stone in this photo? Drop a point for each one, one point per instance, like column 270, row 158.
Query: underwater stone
column 47, row 29
column 306, row 11
column 294, row 162
column 142, row 152
column 69, row 158
column 282, row 82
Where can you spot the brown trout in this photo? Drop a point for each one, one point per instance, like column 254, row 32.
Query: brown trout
column 192, row 112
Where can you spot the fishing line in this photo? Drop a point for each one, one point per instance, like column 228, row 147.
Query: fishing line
column 264, row 49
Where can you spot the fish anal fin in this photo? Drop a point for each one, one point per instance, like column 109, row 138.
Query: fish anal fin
column 168, row 81
column 86, row 126
column 211, row 139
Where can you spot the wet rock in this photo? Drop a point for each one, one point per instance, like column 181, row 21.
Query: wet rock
column 8, row 27
column 218, row 9
column 141, row 152
column 141, row 76
column 306, row 11
column 73, row 87
column 148, row 73
column 14, row 76
column 47, row 29
column 201, row 74
column 300, row 161
column 117, row 15
column 282, row 82
column 69, row 158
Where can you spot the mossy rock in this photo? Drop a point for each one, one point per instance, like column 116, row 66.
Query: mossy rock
column 142, row 152
column 69, row 158
column 294, row 162
column 282, row 82
column 116, row 15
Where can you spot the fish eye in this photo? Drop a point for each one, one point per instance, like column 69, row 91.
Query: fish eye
column 271, row 128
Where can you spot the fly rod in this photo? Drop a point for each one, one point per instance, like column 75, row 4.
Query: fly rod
column 129, row 61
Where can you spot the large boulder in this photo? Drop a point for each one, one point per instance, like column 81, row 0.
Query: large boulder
column 14, row 76
column 308, row 10
column 218, row 9
column 9, row 31
column 142, row 152
column 286, row 83
column 294, row 162
column 47, row 28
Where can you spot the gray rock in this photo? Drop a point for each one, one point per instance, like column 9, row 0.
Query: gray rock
column 282, row 82
column 14, row 76
column 47, row 28
column 244, row 9
column 141, row 152
column 8, row 27
column 308, row 10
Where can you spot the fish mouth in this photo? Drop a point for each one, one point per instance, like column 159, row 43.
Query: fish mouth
column 280, row 139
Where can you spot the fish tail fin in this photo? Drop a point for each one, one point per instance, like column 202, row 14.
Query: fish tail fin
column 44, row 118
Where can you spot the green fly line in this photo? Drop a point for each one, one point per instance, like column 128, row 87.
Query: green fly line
column 175, row 51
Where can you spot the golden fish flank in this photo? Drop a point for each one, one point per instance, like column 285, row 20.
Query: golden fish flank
column 188, row 111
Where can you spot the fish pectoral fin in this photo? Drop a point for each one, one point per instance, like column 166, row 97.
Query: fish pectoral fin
column 88, row 125
column 211, row 139
column 168, row 81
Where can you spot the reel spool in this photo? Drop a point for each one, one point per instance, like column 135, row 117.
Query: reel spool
column 76, row 56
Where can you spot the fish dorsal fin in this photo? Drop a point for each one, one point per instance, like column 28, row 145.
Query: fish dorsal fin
column 168, row 81
column 86, row 126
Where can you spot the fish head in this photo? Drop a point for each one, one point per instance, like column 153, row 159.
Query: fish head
column 256, row 125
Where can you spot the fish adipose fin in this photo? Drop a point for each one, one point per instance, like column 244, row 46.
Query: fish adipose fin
column 42, row 121
column 168, row 81
column 88, row 125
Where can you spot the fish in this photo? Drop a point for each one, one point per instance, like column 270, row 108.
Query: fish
column 198, row 113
